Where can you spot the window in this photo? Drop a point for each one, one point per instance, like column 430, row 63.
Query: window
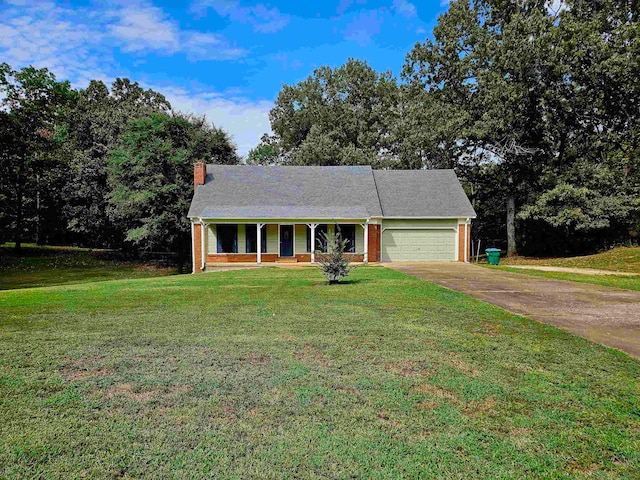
column 348, row 232
column 227, row 238
column 252, row 238
column 308, row 239
column 263, row 239
column 321, row 242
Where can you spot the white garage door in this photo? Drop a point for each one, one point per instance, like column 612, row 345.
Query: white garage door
column 418, row 245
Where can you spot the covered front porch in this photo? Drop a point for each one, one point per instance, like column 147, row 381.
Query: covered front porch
column 279, row 242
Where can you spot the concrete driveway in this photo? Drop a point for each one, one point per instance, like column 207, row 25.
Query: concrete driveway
column 606, row 315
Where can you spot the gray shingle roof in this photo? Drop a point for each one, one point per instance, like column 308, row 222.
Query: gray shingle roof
column 353, row 192
column 422, row 193
column 244, row 191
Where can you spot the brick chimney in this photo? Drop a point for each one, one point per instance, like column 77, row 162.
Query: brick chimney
column 199, row 174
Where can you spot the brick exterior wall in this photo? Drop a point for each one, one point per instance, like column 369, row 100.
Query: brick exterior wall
column 240, row 257
column 375, row 232
column 197, row 247
column 461, row 242
column 266, row 257
column 232, row 257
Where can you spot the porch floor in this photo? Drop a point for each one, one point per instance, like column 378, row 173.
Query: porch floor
column 217, row 267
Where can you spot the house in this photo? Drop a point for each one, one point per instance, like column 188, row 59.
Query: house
column 242, row 213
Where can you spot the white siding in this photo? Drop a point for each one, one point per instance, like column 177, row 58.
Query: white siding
column 242, row 239
column 212, row 243
column 301, row 239
column 273, row 243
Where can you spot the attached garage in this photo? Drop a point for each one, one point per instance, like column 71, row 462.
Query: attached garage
column 419, row 240
column 418, row 245
column 426, row 216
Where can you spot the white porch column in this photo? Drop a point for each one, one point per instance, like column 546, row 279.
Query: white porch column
column 193, row 248
column 203, row 234
column 366, row 242
column 313, row 241
column 259, row 241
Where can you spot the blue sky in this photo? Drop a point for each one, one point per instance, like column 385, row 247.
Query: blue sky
column 224, row 58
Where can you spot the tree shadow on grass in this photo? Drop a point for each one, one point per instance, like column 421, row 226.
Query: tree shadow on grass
column 353, row 281
column 350, row 281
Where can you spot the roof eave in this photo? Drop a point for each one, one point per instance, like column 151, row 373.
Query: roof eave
column 213, row 219
column 431, row 217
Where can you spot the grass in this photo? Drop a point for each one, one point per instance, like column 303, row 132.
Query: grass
column 271, row 373
column 627, row 283
column 40, row 266
column 623, row 259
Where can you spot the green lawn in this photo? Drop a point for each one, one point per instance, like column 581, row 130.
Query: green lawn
column 623, row 259
column 270, row 373
column 42, row 266
column 618, row 281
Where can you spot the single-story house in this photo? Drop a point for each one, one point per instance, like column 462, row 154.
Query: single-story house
column 243, row 213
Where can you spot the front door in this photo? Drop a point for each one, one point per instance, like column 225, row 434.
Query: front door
column 286, row 240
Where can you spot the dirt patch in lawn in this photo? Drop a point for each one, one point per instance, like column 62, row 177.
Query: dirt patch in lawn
column 436, row 396
column 80, row 375
column 84, row 368
column 483, row 406
column 461, row 365
column 408, row 368
column 253, row 359
column 349, row 390
column 489, row 329
column 226, row 414
column 127, row 391
column 437, row 392
column 287, row 338
column 312, row 355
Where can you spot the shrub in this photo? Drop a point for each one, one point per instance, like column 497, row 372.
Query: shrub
column 334, row 264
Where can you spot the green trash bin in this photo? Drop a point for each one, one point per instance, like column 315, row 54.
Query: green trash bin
column 493, row 256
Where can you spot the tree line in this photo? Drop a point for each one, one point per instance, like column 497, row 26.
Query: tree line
column 98, row 167
column 535, row 107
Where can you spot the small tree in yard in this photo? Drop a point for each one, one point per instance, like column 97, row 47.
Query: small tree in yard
column 334, row 264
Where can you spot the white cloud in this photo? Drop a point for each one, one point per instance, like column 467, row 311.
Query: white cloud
column 45, row 35
column 210, row 46
column 343, row 6
column 144, row 28
column 76, row 45
column 264, row 19
column 363, row 27
column 245, row 120
column 405, row 8
column 77, row 42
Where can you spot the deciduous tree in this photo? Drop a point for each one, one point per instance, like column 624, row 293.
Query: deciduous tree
column 96, row 125
column 151, row 177
column 341, row 116
column 34, row 105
